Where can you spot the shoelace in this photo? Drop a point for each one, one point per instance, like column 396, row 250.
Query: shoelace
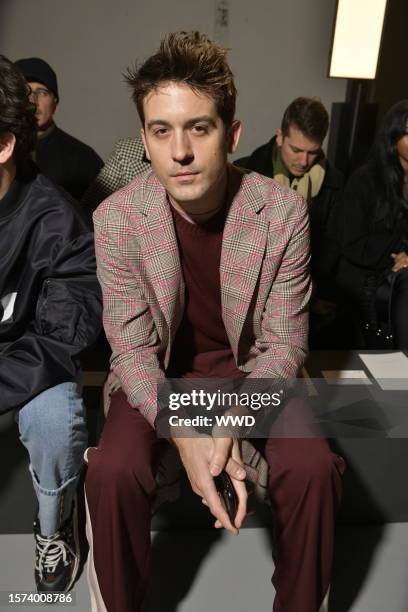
column 51, row 550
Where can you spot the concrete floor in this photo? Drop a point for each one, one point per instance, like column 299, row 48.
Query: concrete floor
column 204, row 571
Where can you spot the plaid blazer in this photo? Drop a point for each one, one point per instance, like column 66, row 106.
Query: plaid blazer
column 264, row 272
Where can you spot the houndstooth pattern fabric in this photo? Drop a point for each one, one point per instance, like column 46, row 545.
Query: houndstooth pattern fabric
column 264, row 271
column 126, row 161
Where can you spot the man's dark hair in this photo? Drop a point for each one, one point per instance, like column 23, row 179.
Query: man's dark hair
column 189, row 58
column 17, row 113
column 309, row 116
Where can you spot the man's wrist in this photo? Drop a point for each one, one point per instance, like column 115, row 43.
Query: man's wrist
column 179, row 435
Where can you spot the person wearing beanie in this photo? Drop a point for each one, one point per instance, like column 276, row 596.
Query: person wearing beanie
column 64, row 159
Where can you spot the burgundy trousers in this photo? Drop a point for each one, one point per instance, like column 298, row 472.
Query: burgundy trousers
column 304, row 488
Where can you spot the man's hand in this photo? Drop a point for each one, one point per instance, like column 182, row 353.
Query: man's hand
column 204, row 457
column 227, row 455
column 400, row 261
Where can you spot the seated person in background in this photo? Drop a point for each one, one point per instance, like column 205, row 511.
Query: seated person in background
column 126, row 161
column 67, row 161
column 50, row 310
column 373, row 270
column 294, row 158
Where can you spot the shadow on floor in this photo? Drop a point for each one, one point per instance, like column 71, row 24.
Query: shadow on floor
column 354, row 552
column 175, row 569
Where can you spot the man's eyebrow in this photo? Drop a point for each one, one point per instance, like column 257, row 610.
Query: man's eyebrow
column 306, row 150
column 189, row 123
column 154, row 122
column 200, row 119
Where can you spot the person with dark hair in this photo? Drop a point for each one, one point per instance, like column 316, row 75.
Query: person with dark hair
column 294, row 157
column 204, row 272
column 64, row 159
column 50, row 310
column 373, row 270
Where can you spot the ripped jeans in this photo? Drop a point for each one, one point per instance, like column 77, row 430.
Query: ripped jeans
column 53, row 429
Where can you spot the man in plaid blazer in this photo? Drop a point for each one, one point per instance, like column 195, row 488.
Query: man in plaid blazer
column 204, row 270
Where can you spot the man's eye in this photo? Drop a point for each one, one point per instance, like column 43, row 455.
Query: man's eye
column 200, row 129
column 160, row 132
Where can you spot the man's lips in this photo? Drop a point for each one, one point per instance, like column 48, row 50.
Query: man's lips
column 182, row 174
column 185, row 178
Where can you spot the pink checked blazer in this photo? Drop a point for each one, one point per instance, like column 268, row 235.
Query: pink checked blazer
column 264, row 272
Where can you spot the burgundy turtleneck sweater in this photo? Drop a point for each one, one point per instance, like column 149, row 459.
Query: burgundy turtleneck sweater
column 201, row 348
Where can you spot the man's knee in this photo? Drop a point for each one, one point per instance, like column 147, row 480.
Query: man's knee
column 312, row 463
column 54, row 422
column 117, row 473
column 317, row 467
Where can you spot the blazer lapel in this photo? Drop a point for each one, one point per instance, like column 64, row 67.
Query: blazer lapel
column 243, row 248
column 160, row 253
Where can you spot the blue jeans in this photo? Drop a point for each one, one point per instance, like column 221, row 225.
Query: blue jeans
column 53, row 429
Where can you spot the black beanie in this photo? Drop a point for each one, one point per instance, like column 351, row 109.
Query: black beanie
column 36, row 69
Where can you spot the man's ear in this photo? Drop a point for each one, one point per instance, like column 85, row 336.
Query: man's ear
column 234, row 134
column 279, row 137
column 143, row 135
column 7, row 146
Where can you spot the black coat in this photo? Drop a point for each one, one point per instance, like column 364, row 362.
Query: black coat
column 324, row 217
column 67, row 161
column 49, row 295
column 366, row 244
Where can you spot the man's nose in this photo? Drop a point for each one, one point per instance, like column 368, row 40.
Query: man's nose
column 304, row 159
column 33, row 97
column 182, row 151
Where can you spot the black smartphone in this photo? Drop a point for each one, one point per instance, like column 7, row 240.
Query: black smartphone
column 227, row 493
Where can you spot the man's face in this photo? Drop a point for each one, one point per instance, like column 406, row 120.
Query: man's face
column 45, row 102
column 187, row 143
column 298, row 152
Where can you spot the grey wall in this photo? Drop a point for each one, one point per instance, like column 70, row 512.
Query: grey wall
column 279, row 50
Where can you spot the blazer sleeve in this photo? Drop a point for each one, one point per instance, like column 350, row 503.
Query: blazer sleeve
column 67, row 320
column 128, row 323
column 283, row 342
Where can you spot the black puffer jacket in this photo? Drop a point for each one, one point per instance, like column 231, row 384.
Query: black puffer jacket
column 49, row 295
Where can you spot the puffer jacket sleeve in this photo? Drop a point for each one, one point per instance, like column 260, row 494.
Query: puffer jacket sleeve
column 67, row 320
